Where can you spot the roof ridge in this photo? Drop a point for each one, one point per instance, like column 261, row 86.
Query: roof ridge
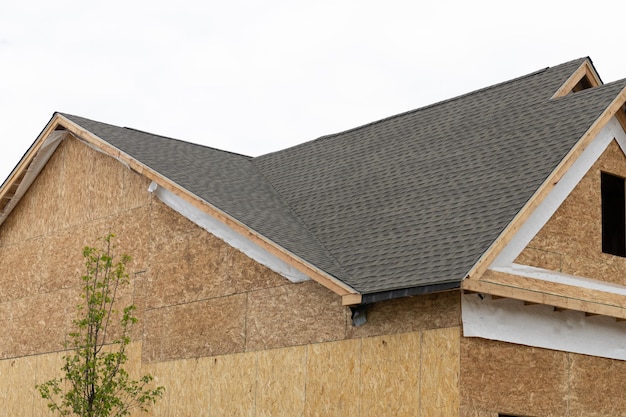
column 187, row 142
column 71, row 116
column 405, row 113
column 428, row 106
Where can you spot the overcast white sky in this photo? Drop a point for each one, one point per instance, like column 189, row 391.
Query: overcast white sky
column 257, row 76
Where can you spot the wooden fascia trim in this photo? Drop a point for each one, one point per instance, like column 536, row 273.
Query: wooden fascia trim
column 351, row 299
column 586, row 69
column 553, row 179
column 560, row 296
column 333, row 284
column 13, row 181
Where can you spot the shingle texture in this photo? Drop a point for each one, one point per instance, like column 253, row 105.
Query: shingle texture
column 409, row 201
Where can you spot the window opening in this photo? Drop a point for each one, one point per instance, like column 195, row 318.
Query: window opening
column 613, row 215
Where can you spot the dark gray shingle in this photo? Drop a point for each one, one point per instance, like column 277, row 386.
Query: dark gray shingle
column 409, row 201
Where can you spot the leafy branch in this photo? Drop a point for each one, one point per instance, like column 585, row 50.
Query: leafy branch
column 95, row 382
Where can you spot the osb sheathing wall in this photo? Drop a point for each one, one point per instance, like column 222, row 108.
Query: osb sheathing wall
column 498, row 377
column 571, row 241
column 270, row 347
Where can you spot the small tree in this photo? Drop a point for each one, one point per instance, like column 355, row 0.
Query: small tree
column 95, row 383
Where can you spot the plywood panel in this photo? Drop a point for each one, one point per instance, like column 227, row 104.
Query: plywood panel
column 20, row 270
column 598, row 387
column 540, row 258
column 48, row 366
column 280, row 383
column 293, row 314
column 390, row 375
column 164, row 374
column 187, row 267
column 233, row 385
column 38, row 324
column 204, row 328
column 106, row 191
column 475, row 412
column 186, row 385
column 500, row 377
column 245, row 273
column 409, row 314
column 609, row 269
column 167, row 223
column 36, row 211
column 63, row 254
column 73, row 203
column 77, row 185
column 333, row 374
column 439, row 391
column 132, row 236
column 192, row 264
column 136, row 192
column 17, row 392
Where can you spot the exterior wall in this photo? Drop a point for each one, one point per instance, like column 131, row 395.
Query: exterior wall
column 571, row 241
column 223, row 334
column 498, row 377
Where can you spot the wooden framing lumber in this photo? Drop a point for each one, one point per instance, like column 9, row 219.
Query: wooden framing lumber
column 351, row 299
column 561, row 296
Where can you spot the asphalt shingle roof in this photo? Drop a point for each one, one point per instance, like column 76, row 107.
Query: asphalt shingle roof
column 409, row 201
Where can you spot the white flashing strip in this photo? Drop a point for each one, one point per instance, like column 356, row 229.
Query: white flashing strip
column 545, row 210
column 560, row 278
column 44, row 153
column 540, row 326
column 227, row 234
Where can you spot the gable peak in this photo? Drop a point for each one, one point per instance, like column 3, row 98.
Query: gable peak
column 583, row 78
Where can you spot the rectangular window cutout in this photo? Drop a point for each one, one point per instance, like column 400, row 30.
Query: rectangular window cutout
column 613, row 215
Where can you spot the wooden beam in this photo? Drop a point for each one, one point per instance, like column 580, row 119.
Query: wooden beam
column 351, row 299
column 303, row 266
column 541, row 296
column 621, row 118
